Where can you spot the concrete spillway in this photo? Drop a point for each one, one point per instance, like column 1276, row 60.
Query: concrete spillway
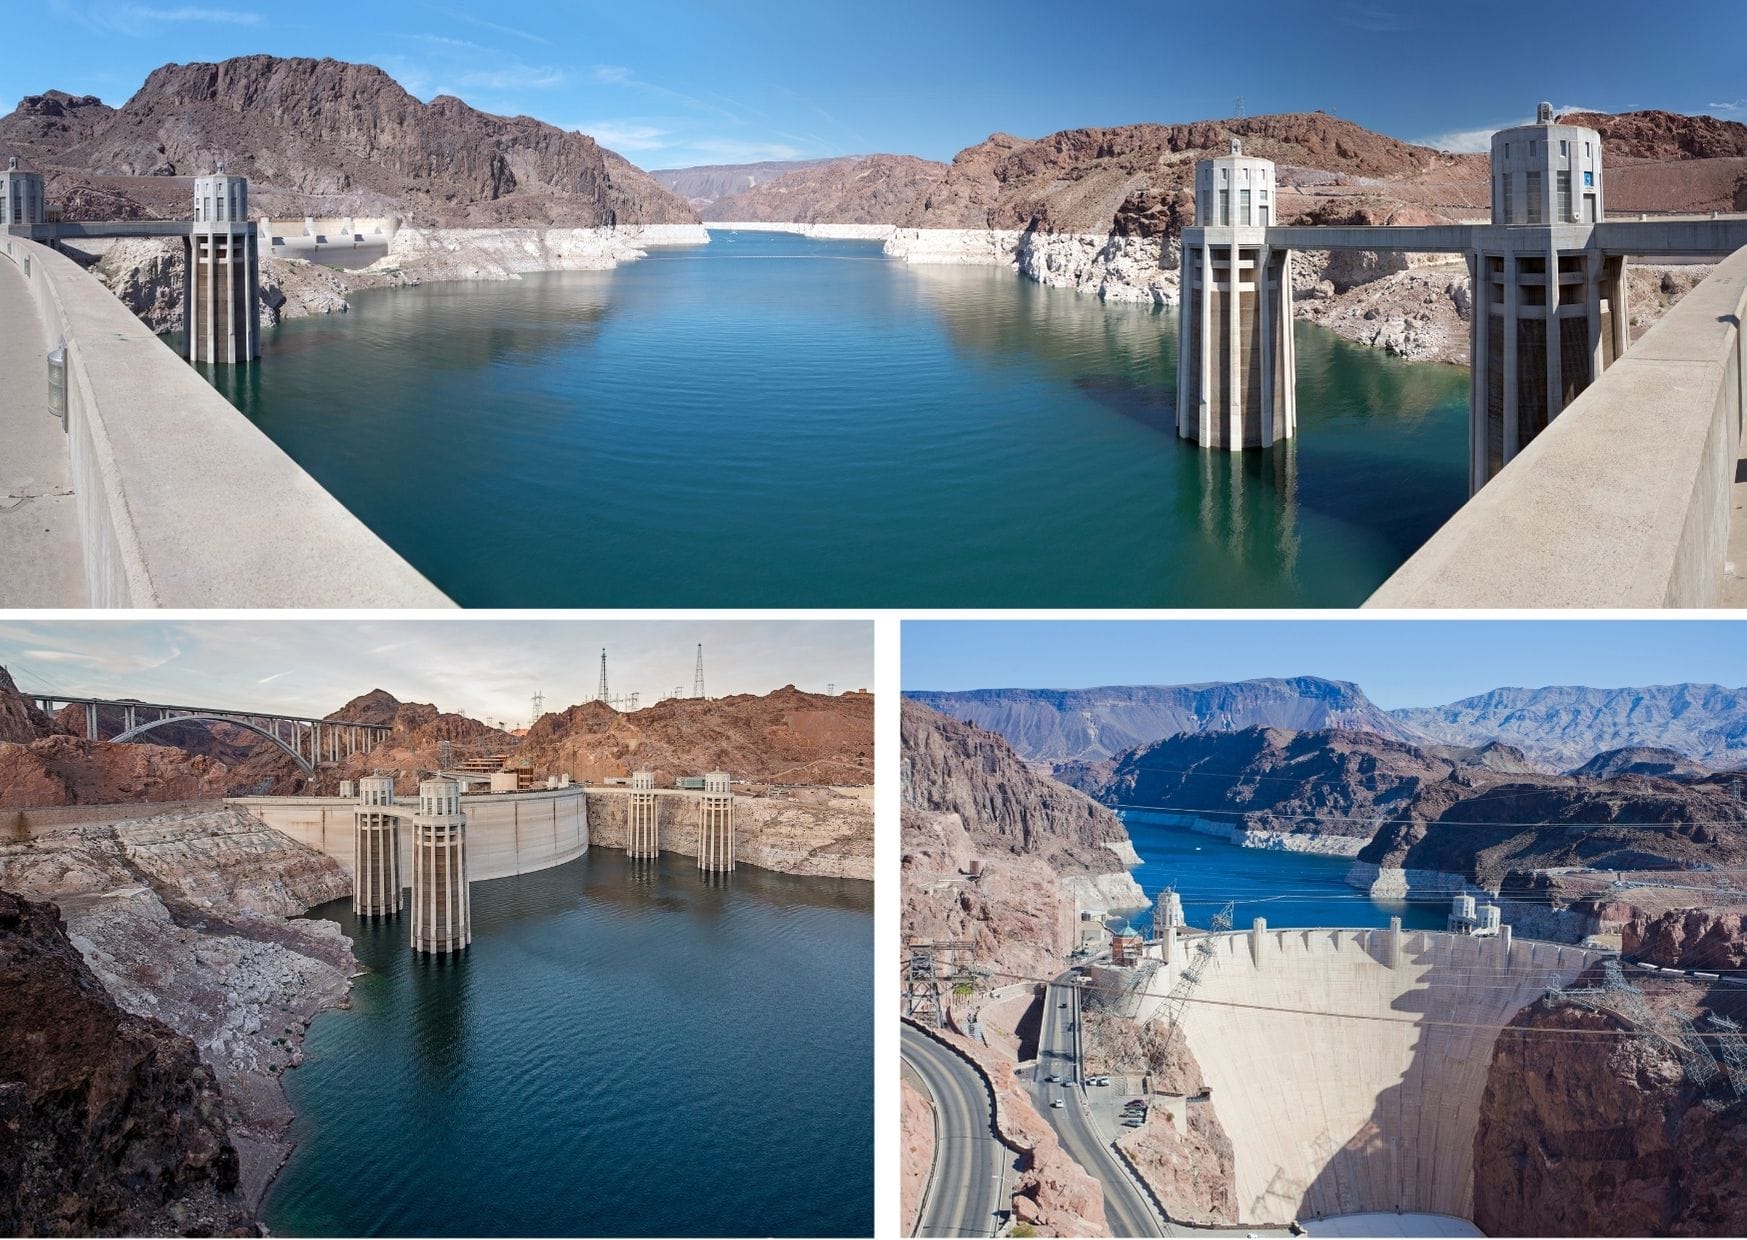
column 1347, row 1085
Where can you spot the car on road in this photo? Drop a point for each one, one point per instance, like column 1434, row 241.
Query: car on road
column 1053, row 1077
column 1058, row 1103
column 1063, row 1003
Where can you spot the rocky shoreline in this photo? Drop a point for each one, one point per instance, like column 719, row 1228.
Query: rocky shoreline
column 193, row 918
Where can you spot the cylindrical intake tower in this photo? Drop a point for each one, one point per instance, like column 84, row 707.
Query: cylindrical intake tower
column 1549, row 307
column 376, row 886
column 716, row 824
column 222, row 277
column 1234, row 327
column 643, row 832
column 441, row 912
column 21, row 200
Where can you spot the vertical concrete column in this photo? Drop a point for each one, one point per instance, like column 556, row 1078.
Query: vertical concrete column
column 441, row 907
column 1288, row 379
column 1234, row 369
column 1479, row 319
column 1511, row 299
column 1185, row 302
column 376, row 885
column 1394, row 950
column 91, row 721
column 642, row 834
column 1204, row 402
column 1504, row 941
column 1622, row 310
column 716, row 824
column 1592, row 277
column 1266, row 292
column 1258, row 930
column 1555, row 372
column 1168, row 944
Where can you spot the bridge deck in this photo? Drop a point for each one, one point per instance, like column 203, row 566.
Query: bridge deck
column 39, row 518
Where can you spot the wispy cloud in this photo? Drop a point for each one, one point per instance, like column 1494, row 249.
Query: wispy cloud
column 267, row 680
column 512, row 31
column 1375, row 17
column 1479, row 139
column 514, row 77
column 611, row 75
column 1731, row 108
column 443, row 40
column 626, row 136
column 137, row 19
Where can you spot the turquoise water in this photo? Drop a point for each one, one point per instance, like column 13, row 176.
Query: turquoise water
column 1289, row 889
column 625, row 1050
column 775, row 421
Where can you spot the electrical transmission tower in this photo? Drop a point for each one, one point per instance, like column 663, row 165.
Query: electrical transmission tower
column 698, row 676
column 831, row 689
column 922, row 1000
column 445, row 756
column 1240, row 107
column 600, row 694
column 1199, row 958
column 539, row 704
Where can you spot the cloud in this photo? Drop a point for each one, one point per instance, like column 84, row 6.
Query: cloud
column 62, row 656
column 626, row 136
column 612, row 75
column 529, row 35
column 1479, row 139
column 1375, row 17
column 1732, row 107
column 267, row 680
column 137, row 19
column 513, row 77
column 442, row 40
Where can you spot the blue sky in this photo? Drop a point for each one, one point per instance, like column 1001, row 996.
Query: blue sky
column 682, row 82
column 488, row 669
column 1397, row 662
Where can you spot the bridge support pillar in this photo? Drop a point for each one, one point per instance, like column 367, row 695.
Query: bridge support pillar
column 1235, row 383
column 442, row 920
column 376, row 886
column 222, row 275
column 716, row 824
column 642, row 828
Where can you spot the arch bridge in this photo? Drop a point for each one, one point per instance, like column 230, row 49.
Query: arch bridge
column 309, row 742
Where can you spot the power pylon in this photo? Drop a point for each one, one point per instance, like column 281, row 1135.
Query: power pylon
column 539, row 704
column 600, row 694
column 697, row 676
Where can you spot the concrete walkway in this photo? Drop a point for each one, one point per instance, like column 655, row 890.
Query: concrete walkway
column 41, row 564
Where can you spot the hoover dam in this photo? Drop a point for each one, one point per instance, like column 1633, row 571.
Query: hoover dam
column 1348, row 1066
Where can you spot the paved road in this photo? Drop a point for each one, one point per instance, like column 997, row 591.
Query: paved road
column 1126, row 1208
column 965, row 1190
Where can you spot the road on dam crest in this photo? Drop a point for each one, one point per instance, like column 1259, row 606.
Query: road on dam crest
column 964, row 1194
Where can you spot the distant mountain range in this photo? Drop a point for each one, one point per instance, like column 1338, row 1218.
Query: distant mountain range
column 1557, row 728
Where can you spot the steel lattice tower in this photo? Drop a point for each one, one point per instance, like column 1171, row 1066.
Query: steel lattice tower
column 698, row 676
column 600, row 694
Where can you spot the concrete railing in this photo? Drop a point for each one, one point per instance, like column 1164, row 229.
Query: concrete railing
column 1624, row 501
column 182, row 501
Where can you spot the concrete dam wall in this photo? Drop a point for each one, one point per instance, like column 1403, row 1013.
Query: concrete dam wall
column 507, row 833
column 1347, row 1085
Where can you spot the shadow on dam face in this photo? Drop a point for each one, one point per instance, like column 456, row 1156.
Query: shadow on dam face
column 1347, row 1086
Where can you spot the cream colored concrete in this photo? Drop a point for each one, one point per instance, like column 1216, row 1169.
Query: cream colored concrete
column 182, row 501
column 1625, row 500
column 1347, row 1086
column 41, row 564
column 507, row 833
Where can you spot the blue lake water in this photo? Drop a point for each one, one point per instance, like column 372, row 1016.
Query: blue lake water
column 770, row 420
column 627, row 1049
column 1289, row 889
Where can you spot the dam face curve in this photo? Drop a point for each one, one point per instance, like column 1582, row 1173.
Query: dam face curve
column 1348, row 1085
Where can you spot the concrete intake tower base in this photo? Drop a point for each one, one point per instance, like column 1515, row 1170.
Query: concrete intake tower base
column 1348, row 1086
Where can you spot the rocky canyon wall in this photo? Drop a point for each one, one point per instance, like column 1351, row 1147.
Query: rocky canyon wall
column 814, row 832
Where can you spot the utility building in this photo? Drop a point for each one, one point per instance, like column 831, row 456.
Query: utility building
column 1126, row 946
column 1234, row 332
column 441, row 911
column 376, row 886
column 222, row 277
column 643, row 830
column 716, row 824
column 21, row 199
column 1549, row 307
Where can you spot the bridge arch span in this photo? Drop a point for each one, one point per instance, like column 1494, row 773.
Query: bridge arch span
column 134, row 733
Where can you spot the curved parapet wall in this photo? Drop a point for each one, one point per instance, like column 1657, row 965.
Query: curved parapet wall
column 1347, row 1085
column 1624, row 500
column 182, row 501
column 507, row 833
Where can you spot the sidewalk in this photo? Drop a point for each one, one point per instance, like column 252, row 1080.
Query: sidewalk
column 41, row 564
